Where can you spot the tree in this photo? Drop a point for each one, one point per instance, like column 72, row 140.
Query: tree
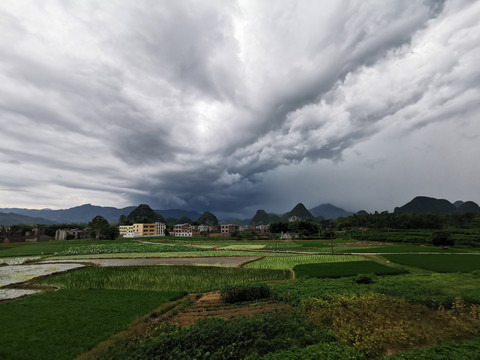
column 99, row 226
column 207, row 218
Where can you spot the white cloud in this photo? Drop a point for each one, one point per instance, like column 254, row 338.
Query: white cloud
column 195, row 104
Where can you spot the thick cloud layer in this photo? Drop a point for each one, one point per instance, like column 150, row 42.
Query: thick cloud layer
column 231, row 106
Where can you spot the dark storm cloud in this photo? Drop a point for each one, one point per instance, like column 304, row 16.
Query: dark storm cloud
column 191, row 104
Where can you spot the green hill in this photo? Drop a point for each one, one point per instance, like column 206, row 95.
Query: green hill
column 299, row 212
column 144, row 214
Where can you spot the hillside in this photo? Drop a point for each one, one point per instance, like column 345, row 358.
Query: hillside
column 16, row 219
column 143, row 214
column 329, row 211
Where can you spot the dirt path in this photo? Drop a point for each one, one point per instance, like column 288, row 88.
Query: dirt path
column 220, row 261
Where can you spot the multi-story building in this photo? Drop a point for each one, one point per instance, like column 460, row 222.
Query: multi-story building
column 125, row 229
column 142, row 229
column 182, row 230
column 227, row 230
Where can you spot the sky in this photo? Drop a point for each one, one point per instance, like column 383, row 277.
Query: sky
column 233, row 106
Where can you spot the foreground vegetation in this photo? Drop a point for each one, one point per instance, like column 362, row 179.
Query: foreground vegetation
column 335, row 314
column 63, row 324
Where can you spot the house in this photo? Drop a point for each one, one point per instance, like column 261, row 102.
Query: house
column 71, row 234
column 288, row 236
column 183, row 230
column 228, row 230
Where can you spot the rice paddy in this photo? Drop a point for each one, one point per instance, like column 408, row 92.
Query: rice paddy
column 163, row 278
column 439, row 262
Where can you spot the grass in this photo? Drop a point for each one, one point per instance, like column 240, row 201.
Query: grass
column 162, row 278
column 401, row 248
column 440, row 262
column 63, row 324
column 335, row 270
column 288, row 262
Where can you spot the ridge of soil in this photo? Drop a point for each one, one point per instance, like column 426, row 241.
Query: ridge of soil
column 210, row 305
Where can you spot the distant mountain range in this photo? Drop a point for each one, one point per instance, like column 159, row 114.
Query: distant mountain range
column 14, row 219
column 85, row 213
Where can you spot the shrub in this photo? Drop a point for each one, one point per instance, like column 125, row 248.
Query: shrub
column 234, row 294
column 364, row 278
column 442, row 238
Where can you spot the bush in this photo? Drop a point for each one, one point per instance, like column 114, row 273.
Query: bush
column 234, row 294
column 364, row 278
column 442, row 238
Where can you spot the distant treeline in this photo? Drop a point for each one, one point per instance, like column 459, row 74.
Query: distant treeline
column 386, row 220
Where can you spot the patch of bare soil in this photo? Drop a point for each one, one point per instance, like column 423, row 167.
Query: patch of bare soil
column 210, row 305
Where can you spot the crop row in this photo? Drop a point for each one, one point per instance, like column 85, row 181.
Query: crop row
column 115, row 248
column 288, row 262
column 163, row 278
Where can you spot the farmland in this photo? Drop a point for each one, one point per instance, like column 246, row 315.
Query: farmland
column 415, row 279
column 163, row 278
column 65, row 323
column 342, row 269
column 440, row 262
column 288, row 262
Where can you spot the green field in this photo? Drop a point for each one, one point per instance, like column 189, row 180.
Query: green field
column 440, row 262
column 288, row 262
column 63, row 324
column 162, row 278
column 335, row 270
